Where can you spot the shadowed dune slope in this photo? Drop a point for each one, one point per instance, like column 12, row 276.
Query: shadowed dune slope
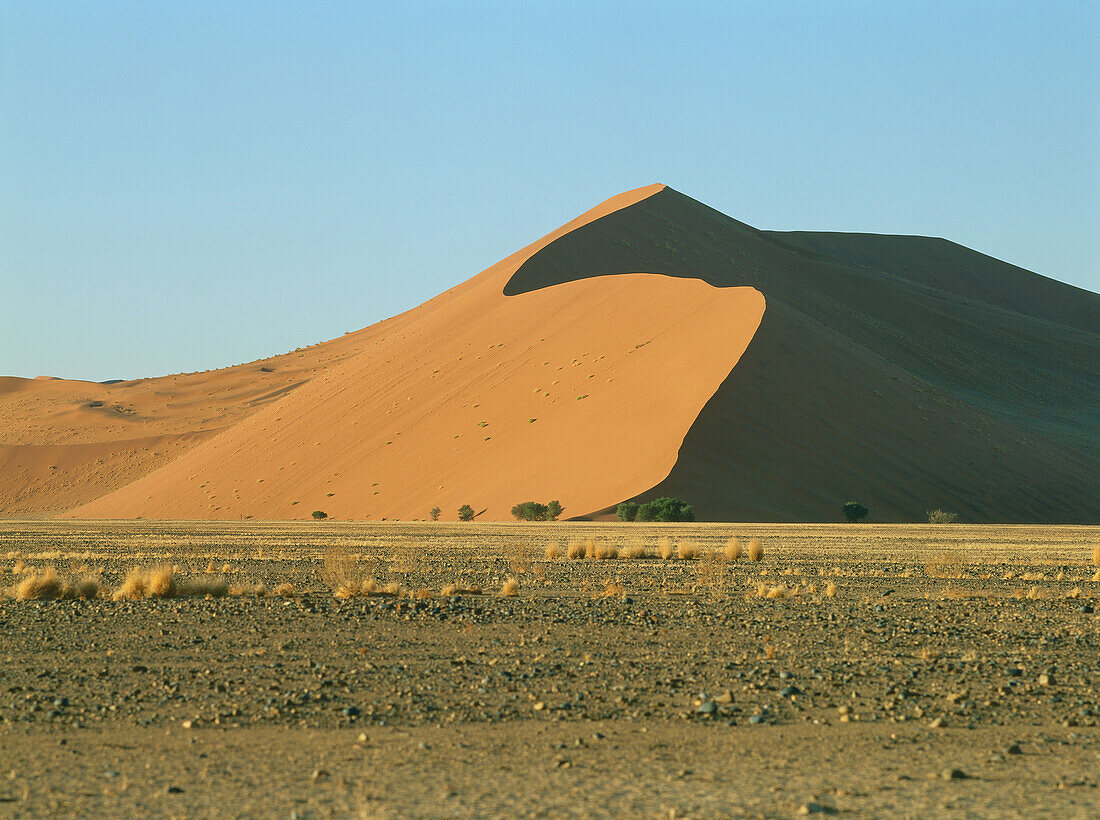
column 627, row 354
column 902, row 372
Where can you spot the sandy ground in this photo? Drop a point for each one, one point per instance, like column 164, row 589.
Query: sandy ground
column 619, row 688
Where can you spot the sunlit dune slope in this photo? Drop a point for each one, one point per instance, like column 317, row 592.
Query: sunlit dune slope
column 582, row 393
column 65, row 442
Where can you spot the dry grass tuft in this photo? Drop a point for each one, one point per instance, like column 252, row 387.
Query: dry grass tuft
column 590, row 548
column 459, row 589
column 423, row 594
column 140, row 582
column 518, row 560
column 345, row 576
column 1035, row 594
column 575, row 551
column 636, row 550
column 286, row 590
column 48, row 585
column 948, row 564
column 1096, row 556
column 510, row 588
column 553, row 551
column 830, row 590
column 733, row 550
column 1096, row 577
column 613, row 589
column 664, row 548
column 710, row 572
column 605, row 550
column 756, row 550
column 687, row 550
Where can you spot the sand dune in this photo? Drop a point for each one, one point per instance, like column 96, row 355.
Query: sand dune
column 625, row 355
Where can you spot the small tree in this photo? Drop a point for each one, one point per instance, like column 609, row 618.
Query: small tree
column 938, row 516
column 553, row 510
column 434, row 513
column 466, row 513
column 627, row 511
column 666, row 509
column 320, row 515
column 530, row 511
column 854, row 512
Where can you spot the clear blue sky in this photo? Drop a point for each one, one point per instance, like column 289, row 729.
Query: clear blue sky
column 189, row 185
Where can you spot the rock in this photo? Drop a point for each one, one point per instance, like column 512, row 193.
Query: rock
column 173, row 790
column 936, row 723
column 954, row 774
column 756, row 719
column 725, row 698
column 351, row 711
column 1086, row 609
column 187, row 724
column 787, row 691
column 815, row 808
column 708, row 707
column 1045, row 679
column 784, row 675
column 1014, row 749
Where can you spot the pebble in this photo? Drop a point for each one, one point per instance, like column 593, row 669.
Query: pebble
column 1014, row 749
column 756, row 719
column 1086, row 609
column 707, row 708
column 815, row 808
column 954, row 774
column 936, row 723
column 787, row 691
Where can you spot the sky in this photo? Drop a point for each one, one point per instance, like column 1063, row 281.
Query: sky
column 185, row 186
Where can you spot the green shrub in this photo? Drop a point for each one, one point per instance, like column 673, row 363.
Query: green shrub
column 627, row 511
column 853, row 512
column 666, row 509
column 938, row 516
column 466, row 513
column 530, row 511
column 553, row 510
column 434, row 513
column 320, row 515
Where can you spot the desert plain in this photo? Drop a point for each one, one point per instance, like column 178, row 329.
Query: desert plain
column 442, row 669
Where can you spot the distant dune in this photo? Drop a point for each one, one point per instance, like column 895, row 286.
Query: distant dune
column 652, row 346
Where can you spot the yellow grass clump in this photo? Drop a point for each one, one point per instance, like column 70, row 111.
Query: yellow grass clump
column 48, row 585
column 575, row 551
column 664, row 548
column 459, row 589
column 1096, row 556
column 1035, row 594
column 613, row 589
column 286, row 590
column 161, row 582
column 590, row 548
column 605, row 550
column 553, row 551
column 733, row 550
column 830, row 590
column 634, row 551
column 510, row 588
column 687, row 550
column 756, row 550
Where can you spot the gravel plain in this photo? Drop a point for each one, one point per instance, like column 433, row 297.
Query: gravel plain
column 893, row 671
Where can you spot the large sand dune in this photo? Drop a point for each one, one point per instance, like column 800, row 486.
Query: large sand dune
column 626, row 355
